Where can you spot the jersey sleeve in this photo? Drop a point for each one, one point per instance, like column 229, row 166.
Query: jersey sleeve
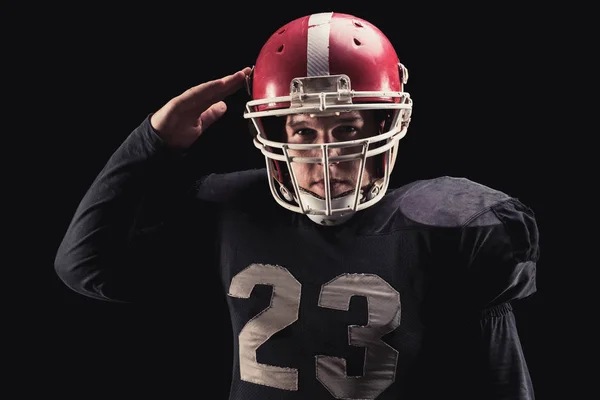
column 131, row 236
column 501, row 247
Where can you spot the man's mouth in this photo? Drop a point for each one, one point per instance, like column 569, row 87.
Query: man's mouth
column 336, row 187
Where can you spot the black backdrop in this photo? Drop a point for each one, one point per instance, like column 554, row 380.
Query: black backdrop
column 479, row 79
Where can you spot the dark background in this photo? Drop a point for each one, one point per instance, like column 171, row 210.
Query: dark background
column 481, row 80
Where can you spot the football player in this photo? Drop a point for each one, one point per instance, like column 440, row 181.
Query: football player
column 338, row 286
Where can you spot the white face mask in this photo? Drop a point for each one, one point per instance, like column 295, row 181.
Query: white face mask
column 315, row 100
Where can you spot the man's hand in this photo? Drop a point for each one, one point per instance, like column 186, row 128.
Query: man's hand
column 184, row 118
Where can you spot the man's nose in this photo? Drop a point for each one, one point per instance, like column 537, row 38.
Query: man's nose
column 327, row 138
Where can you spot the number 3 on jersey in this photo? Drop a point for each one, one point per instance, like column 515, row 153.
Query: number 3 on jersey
column 383, row 317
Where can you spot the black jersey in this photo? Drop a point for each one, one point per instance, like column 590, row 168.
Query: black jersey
column 410, row 299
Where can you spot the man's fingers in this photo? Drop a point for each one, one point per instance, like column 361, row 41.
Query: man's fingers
column 212, row 114
column 204, row 95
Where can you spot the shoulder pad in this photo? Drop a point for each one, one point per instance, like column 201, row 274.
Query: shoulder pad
column 449, row 202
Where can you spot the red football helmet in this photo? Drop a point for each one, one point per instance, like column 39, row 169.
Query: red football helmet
column 324, row 64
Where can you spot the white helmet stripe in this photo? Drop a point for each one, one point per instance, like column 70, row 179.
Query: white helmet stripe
column 317, row 60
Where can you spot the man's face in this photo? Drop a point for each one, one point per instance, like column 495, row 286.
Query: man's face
column 303, row 129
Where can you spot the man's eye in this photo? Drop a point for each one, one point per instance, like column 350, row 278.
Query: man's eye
column 304, row 132
column 346, row 129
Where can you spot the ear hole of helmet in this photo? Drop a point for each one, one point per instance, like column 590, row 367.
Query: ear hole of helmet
column 385, row 119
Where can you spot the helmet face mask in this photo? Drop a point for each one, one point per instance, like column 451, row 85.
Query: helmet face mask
column 282, row 88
